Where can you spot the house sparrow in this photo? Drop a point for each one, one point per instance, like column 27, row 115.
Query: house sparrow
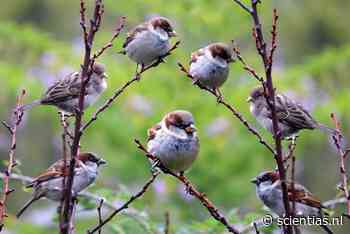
column 209, row 66
column 149, row 41
column 174, row 141
column 49, row 184
column 269, row 191
column 65, row 92
column 292, row 116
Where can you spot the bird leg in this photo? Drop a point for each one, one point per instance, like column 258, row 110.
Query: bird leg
column 218, row 95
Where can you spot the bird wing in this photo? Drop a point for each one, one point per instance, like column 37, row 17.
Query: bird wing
column 133, row 33
column 293, row 113
column 302, row 195
column 63, row 90
column 151, row 133
column 54, row 171
column 195, row 55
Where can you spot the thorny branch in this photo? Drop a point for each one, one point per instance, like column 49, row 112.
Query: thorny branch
column 15, row 122
column 343, row 155
column 238, row 115
column 118, row 92
column 125, row 205
column 190, row 188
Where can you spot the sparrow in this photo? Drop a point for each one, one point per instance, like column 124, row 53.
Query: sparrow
column 292, row 116
column 209, row 66
column 49, row 184
column 65, row 92
column 149, row 41
column 174, row 141
column 269, row 191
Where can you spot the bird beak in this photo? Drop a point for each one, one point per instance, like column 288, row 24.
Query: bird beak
column 105, row 76
column 191, row 129
column 249, row 99
column 172, row 34
column 101, row 162
column 254, row 181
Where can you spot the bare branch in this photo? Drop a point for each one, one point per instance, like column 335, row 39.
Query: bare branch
column 246, row 66
column 342, row 167
column 125, row 205
column 243, row 6
column 118, row 92
column 270, row 96
column 167, row 223
column 16, row 119
column 190, row 188
column 99, row 212
column 68, row 208
column 238, row 115
column 117, row 31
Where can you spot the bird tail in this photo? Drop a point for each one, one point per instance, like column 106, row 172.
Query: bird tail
column 26, row 205
column 29, row 106
column 326, row 229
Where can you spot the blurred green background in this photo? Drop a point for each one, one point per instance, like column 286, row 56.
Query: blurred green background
column 40, row 41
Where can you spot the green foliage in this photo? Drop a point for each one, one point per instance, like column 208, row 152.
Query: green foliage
column 39, row 42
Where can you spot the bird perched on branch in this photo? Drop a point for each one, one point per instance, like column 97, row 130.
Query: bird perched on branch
column 174, row 141
column 49, row 184
column 65, row 92
column 149, row 41
column 292, row 116
column 269, row 191
column 209, row 66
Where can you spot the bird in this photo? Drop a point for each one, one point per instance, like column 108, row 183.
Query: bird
column 292, row 116
column 174, row 141
column 148, row 41
column 49, row 183
column 64, row 93
column 209, row 66
column 269, row 191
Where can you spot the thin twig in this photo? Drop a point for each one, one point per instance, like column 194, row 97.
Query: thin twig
column 64, row 125
column 244, row 7
column 99, row 212
column 190, row 188
column 116, row 33
column 256, row 228
column 15, row 122
column 125, row 205
column 118, row 92
column 337, row 138
column 245, row 64
column 167, row 223
column 238, row 115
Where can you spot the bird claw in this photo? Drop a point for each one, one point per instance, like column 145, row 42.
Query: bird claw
column 195, row 81
column 219, row 96
column 155, row 166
